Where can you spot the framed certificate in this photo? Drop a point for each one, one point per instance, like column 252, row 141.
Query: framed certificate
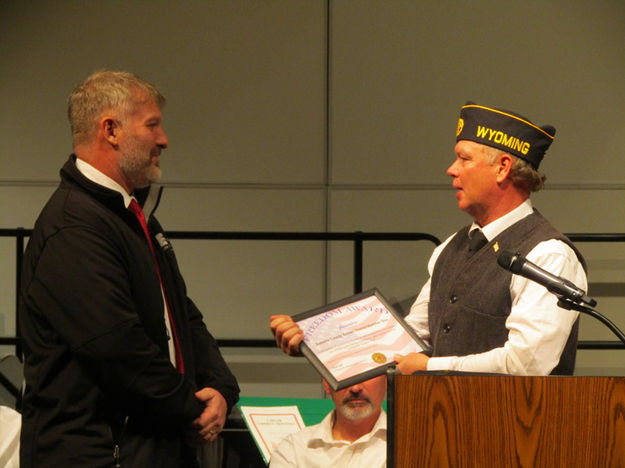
column 356, row 338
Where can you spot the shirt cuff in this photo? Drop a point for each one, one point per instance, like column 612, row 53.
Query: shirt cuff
column 440, row 363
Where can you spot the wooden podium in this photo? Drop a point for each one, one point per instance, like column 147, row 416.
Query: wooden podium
column 468, row 420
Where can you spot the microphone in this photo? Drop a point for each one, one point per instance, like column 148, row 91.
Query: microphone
column 561, row 287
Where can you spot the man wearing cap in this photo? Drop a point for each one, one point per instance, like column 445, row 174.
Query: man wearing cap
column 477, row 316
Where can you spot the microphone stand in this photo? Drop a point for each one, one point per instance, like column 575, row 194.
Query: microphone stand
column 568, row 305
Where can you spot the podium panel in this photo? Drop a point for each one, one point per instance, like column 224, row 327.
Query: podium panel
column 506, row 421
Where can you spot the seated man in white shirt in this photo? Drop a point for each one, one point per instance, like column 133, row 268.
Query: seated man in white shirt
column 352, row 435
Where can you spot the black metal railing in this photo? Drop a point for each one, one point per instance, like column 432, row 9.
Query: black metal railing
column 358, row 238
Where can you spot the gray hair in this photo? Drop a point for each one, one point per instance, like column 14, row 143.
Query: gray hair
column 106, row 90
column 522, row 174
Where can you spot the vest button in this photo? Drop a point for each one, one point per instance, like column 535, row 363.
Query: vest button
column 446, row 328
column 453, row 299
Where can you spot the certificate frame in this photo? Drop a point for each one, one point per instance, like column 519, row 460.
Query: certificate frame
column 354, row 339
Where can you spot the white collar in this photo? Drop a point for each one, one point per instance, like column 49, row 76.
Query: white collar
column 494, row 228
column 323, row 430
column 94, row 175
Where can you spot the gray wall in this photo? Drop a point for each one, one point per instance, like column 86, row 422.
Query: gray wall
column 323, row 116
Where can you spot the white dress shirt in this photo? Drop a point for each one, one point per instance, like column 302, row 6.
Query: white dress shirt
column 538, row 328
column 314, row 447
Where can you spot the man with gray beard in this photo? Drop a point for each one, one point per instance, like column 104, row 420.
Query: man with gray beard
column 120, row 368
column 352, row 435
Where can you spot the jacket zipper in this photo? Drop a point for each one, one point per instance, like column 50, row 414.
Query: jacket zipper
column 117, row 442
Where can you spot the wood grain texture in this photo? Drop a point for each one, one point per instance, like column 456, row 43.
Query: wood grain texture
column 508, row 421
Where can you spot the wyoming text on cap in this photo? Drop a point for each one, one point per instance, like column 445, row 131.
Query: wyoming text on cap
column 505, row 130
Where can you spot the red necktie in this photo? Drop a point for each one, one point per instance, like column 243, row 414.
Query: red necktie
column 138, row 212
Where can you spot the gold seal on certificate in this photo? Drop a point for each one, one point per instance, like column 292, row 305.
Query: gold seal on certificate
column 355, row 339
column 379, row 358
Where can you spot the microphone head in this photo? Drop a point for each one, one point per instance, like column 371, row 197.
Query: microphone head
column 509, row 261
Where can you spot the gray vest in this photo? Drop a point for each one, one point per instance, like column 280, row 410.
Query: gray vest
column 470, row 297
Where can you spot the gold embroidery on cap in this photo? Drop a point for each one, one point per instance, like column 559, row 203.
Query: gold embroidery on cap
column 460, row 126
column 502, row 138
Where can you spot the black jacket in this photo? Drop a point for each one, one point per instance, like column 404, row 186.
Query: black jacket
column 99, row 381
